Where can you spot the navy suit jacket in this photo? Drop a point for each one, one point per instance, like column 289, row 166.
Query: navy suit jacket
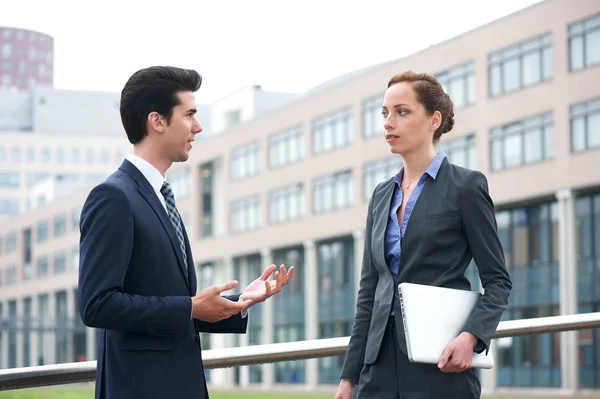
column 134, row 287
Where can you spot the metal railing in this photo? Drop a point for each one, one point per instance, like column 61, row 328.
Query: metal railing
column 57, row 374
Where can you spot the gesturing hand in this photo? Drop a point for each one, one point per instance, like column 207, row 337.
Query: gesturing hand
column 209, row 305
column 458, row 355
column 261, row 288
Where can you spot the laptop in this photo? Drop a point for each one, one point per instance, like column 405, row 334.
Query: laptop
column 434, row 316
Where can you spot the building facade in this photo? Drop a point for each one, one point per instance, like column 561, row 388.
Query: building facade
column 292, row 186
column 26, row 58
column 27, row 159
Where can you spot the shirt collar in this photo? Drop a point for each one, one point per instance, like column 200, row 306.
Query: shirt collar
column 432, row 170
column 151, row 174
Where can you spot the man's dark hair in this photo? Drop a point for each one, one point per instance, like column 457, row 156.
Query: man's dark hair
column 153, row 89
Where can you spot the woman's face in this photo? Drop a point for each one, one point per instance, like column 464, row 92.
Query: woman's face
column 407, row 127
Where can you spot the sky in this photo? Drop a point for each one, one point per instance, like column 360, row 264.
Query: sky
column 282, row 45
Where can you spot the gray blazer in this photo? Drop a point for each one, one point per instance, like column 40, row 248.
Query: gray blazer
column 452, row 222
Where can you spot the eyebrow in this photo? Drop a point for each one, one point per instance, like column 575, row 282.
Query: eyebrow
column 191, row 111
column 397, row 106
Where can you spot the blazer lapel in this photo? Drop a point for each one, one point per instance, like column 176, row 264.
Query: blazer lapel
column 380, row 219
column 146, row 190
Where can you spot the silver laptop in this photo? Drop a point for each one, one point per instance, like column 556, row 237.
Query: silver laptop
column 434, row 316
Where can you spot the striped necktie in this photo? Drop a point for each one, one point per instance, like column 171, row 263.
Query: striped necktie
column 174, row 216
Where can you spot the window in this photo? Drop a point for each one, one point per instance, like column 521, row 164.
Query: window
column 232, row 118
column 372, row 121
column 524, row 142
column 584, row 43
column 286, row 204
column 245, row 214
column 42, row 266
column 522, row 65
column 45, row 155
column 206, row 176
column 11, row 275
column 333, row 192
column 15, row 155
column 286, row 147
column 585, row 125
column 10, row 179
column 245, row 161
column 90, row 156
column 34, row 178
column 332, row 131
column 9, row 207
column 461, row 151
column 180, row 182
column 75, row 217
column 60, row 225
column 11, row 242
column 42, row 231
column 60, row 262
column 459, row 83
column 377, row 171
column 6, row 50
column 75, row 156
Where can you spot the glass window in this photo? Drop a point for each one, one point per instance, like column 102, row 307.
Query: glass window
column 459, row 83
column 585, row 125
column 286, row 204
column 245, row 214
column 333, row 192
column 332, row 131
column 461, row 151
column 286, row 147
column 584, row 43
column 245, row 161
column 526, row 141
column 377, row 171
column 521, row 65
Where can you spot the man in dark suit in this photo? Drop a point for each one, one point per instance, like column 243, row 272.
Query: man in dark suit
column 137, row 282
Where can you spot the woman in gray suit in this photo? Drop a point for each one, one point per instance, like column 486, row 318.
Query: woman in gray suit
column 424, row 226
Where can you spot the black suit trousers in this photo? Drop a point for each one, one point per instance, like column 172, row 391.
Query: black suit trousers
column 393, row 376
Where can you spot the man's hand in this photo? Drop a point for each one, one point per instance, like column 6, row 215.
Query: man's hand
column 458, row 355
column 345, row 389
column 261, row 289
column 208, row 305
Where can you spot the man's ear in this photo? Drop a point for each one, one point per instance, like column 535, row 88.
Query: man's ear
column 157, row 122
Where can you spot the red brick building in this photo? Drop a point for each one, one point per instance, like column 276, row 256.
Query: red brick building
column 26, row 58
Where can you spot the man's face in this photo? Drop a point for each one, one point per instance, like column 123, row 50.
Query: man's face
column 179, row 133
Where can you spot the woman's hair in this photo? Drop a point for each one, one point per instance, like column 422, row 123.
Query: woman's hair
column 431, row 95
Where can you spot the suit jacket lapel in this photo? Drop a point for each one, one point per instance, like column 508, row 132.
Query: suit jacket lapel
column 380, row 219
column 149, row 195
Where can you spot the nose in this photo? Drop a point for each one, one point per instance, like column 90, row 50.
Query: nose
column 388, row 123
column 196, row 128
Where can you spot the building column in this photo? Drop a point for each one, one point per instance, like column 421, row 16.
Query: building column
column 20, row 332
column 359, row 246
column 49, row 330
column 71, row 317
column 244, row 280
column 311, row 309
column 224, row 376
column 91, row 344
column 4, row 335
column 268, row 371
column 568, row 287
column 34, row 335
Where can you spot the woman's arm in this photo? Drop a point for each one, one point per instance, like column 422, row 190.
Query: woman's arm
column 479, row 225
column 368, row 281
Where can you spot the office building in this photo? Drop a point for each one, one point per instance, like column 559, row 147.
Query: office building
column 292, row 186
